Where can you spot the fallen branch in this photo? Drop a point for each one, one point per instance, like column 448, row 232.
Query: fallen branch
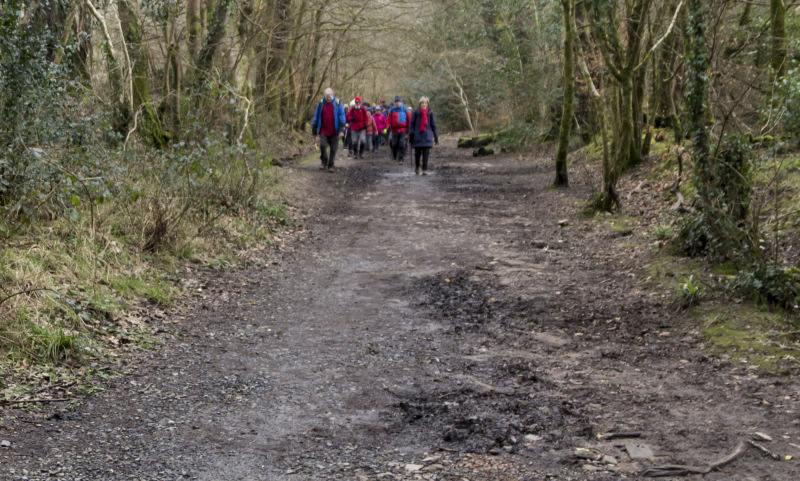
column 27, row 291
column 764, row 450
column 25, row 401
column 681, row 470
column 480, row 140
column 610, row 436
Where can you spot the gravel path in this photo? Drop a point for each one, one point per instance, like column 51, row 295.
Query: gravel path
column 464, row 325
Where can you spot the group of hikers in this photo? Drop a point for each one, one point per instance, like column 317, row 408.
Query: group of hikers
column 364, row 127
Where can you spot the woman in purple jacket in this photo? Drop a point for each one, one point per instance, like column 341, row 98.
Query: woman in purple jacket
column 423, row 134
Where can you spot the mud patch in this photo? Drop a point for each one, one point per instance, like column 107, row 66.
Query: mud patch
column 482, row 422
column 457, row 299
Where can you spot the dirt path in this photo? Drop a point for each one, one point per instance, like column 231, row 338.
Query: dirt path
column 464, row 325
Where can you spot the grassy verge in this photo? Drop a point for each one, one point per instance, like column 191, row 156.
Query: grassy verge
column 78, row 266
column 747, row 326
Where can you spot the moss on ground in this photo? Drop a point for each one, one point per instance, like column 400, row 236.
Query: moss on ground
column 748, row 334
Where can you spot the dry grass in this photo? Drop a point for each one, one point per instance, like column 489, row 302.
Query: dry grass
column 70, row 283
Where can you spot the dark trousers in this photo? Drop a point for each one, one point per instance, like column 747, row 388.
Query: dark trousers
column 423, row 152
column 376, row 142
column 328, row 142
column 398, row 145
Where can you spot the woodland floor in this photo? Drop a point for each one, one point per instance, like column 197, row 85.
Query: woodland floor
column 466, row 325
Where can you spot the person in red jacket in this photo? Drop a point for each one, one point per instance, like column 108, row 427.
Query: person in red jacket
column 328, row 127
column 399, row 123
column 358, row 119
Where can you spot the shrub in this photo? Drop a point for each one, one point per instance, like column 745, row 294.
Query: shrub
column 721, row 230
column 53, row 344
column 662, row 232
column 713, row 234
column 773, row 285
column 689, row 293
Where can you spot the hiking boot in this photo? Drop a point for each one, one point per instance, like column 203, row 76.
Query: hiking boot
column 330, row 169
column 416, row 170
column 322, row 167
column 424, row 172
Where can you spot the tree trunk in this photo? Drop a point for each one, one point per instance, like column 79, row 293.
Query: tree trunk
column 626, row 153
column 777, row 11
column 608, row 194
column 214, row 36
column 608, row 198
column 276, row 56
column 194, row 27
column 696, row 96
column 562, row 177
column 150, row 126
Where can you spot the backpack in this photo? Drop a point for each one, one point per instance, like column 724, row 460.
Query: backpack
column 402, row 114
column 338, row 102
column 362, row 116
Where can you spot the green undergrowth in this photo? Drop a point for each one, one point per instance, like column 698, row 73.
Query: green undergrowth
column 778, row 177
column 516, row 138
column 617, row 222
column 746, row 306
column 77, row 284
column 665, row 270
column 756, row 334
column 593, row 151
column 751, row 335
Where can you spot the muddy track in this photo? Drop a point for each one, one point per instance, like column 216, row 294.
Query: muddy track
column 465, row 325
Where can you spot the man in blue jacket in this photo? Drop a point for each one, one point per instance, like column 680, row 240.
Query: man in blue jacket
column 329, row 124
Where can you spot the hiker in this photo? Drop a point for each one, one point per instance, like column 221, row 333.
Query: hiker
column 348, row 138
column 398, row 124
column 328, row 124
column 423, row 134
column 358, row 118
column 372, row 130
column 380, row 123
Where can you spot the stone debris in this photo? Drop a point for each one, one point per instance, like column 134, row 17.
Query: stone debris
column 638, row 451
column 609, row 460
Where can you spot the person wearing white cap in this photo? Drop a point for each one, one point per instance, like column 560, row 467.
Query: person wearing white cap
column 358, row 119
column 328, row 124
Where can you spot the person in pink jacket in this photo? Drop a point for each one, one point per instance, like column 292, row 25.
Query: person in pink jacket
column 372, row 129
column 380, row 123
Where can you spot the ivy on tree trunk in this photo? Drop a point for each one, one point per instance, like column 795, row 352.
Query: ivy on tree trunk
column 562, row 178
column 697, row 96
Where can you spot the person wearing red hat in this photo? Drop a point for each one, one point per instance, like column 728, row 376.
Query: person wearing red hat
column 358, row 119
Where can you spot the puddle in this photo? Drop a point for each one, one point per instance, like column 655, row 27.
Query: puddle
column 405, row 174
